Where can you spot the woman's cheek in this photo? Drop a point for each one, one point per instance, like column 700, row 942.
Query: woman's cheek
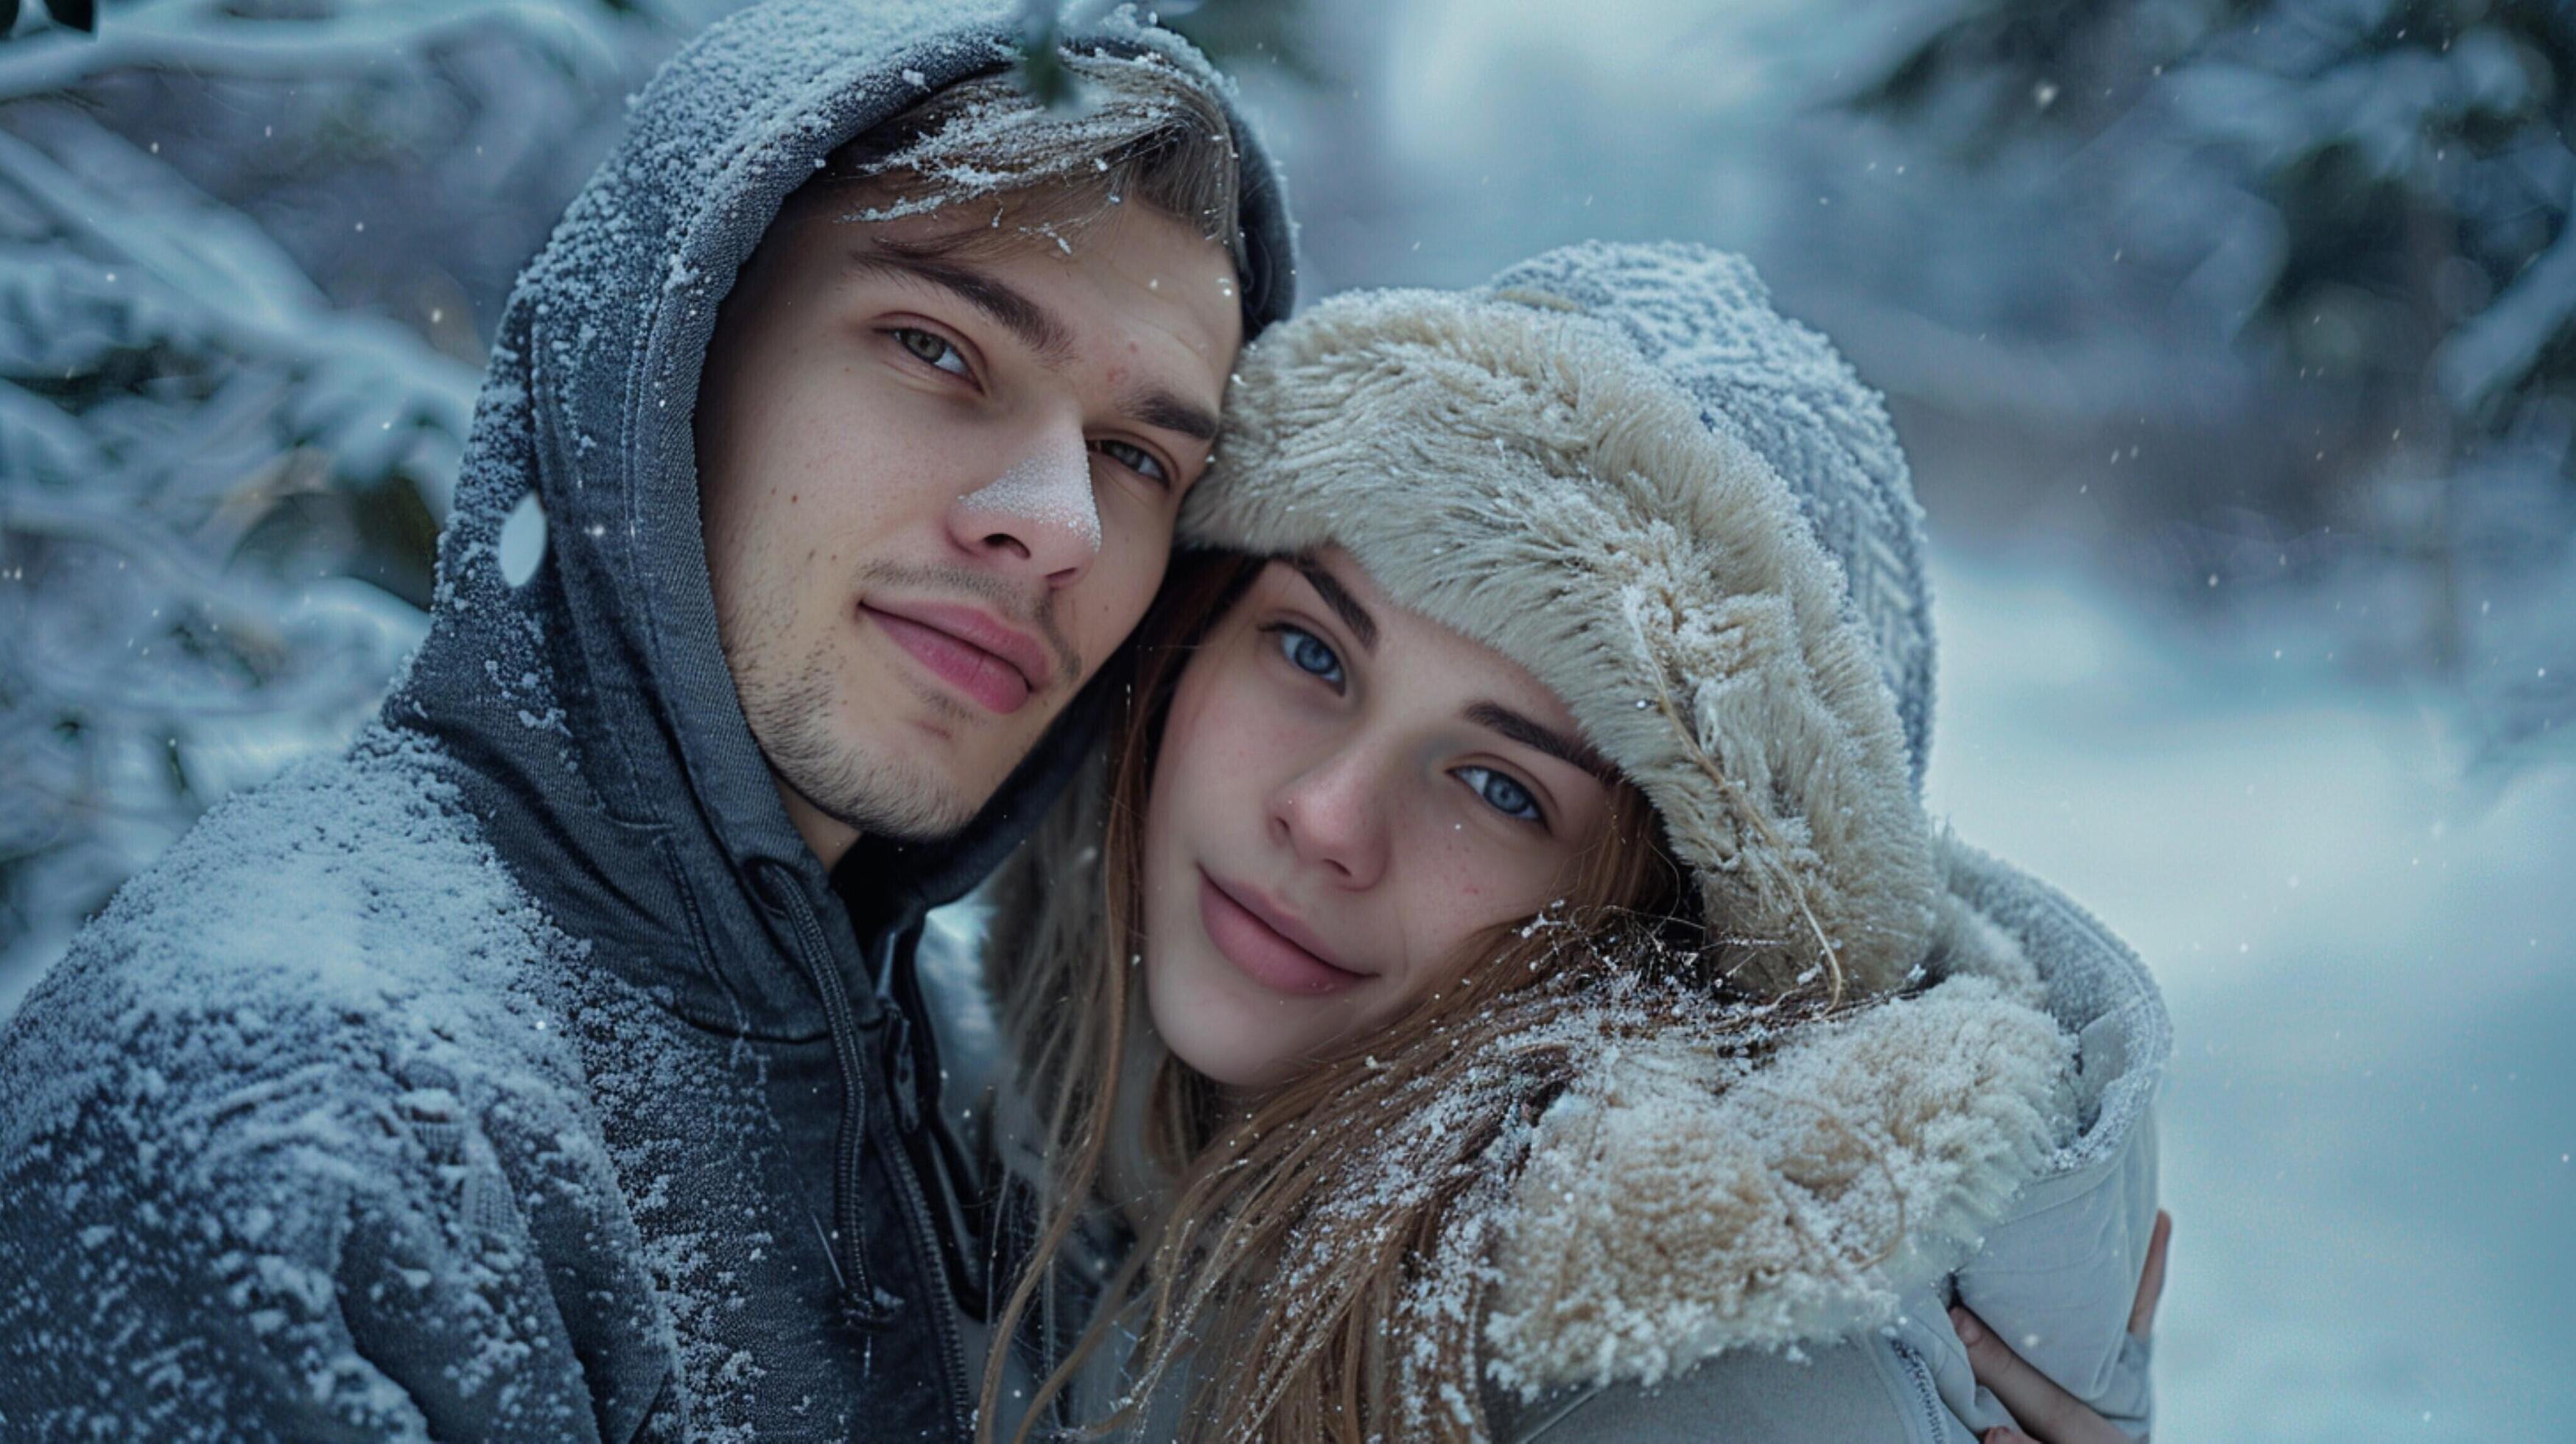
column 1477, row 885
column 1252, row 729
column 1219, row 735
column 1443, row 891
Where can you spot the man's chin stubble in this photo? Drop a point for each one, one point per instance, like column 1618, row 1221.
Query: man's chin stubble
column 851, row 783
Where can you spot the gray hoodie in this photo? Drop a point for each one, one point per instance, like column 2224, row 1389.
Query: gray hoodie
column 520, row 1074
column 1621, row 468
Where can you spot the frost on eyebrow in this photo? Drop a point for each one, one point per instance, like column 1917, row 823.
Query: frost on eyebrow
column 1051, row 486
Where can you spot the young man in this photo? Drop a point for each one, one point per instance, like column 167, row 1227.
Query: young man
column 524, row 1072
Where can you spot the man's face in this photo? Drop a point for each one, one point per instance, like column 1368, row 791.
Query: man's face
column 939, row 486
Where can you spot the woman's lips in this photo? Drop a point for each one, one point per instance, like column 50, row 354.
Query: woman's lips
column 1261, row 952
column 970, row 669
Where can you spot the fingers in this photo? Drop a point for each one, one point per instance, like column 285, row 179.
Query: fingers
column 2033, row 1399
column 2151, row 1280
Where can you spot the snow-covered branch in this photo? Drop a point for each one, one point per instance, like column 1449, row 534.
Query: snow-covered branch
column 209, row 37
column 2494, row 351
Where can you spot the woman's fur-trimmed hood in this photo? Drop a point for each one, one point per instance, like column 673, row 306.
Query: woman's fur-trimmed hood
column 1619, row 466
column 1523, row 465
column 1674, row 1205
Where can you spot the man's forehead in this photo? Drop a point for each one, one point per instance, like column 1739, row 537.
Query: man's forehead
column 1051, row 224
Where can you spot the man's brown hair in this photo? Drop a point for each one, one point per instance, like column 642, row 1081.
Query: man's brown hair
column 1140, row 131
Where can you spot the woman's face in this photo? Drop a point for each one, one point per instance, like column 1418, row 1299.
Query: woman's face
column 1346, row 793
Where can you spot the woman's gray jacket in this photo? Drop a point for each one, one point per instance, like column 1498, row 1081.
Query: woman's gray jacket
column 2052, row 1263
column 1683, row 512
column 1620, row 467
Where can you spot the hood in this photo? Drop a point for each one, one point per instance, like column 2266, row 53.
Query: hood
column 1621, row 468
column 586, row 704
column 1704, row 319
column 1675, row 1203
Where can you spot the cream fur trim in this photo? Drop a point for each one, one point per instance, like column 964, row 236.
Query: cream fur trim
column 1675, row 1204
column 1521, row 474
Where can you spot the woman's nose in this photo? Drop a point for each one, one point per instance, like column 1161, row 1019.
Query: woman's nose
column 1329, row 814
column 1038, row 517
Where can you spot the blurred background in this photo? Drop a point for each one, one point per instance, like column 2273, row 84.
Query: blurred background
column 2234, row 342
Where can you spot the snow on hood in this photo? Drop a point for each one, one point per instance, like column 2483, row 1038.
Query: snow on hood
column 1676, row 1203
column 573, row 663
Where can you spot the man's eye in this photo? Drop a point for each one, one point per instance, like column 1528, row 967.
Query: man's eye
column 932, row 349
column 1136, row 459
column 1502, row 794
column 1310, row 654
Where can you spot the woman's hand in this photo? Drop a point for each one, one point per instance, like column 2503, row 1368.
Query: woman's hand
column 2055, row 1416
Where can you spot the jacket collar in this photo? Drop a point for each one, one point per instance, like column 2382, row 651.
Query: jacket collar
column 1676, row 1203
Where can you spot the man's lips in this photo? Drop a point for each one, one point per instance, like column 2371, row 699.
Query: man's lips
column 1268, row 944
column 995, row 664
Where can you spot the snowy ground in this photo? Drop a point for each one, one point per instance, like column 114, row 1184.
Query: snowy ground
column 2368, row 1127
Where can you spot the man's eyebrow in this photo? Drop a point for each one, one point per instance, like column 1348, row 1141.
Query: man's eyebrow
column 1169, row 411
column 1339, row 598
column 1568, row 750
column 1035, row 325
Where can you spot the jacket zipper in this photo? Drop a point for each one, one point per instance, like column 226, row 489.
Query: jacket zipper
column 1926, row 1395
column 870, row 1305
column 934, row 1273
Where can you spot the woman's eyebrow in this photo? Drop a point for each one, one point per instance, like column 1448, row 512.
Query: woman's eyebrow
column 1568, row 750
column 1339, row 598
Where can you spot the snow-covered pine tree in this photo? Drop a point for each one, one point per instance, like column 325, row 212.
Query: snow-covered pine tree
column 241, row 251
column 2419, row 288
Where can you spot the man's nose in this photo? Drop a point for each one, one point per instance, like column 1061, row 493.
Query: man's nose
column 1329, row 814
column 1038, row 517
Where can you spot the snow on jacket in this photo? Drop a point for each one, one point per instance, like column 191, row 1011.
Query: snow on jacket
column 1619, row 466
column 520, row 1074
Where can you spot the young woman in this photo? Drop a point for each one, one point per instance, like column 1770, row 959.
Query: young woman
column 1500, row 981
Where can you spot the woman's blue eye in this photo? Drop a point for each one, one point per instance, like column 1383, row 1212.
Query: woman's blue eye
column 931, row 349
column 1308, row 653
column 1136, row 459
column 1501, row 793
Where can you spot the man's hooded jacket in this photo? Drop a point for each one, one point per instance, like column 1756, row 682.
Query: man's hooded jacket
column 521, row 1074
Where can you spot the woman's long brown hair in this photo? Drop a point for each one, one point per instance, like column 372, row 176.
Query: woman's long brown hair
column 1330, row 1244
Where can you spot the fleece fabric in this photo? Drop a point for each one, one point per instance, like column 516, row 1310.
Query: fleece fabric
column 1777, row 1261
column 1622, row 468
column 520, row 1074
